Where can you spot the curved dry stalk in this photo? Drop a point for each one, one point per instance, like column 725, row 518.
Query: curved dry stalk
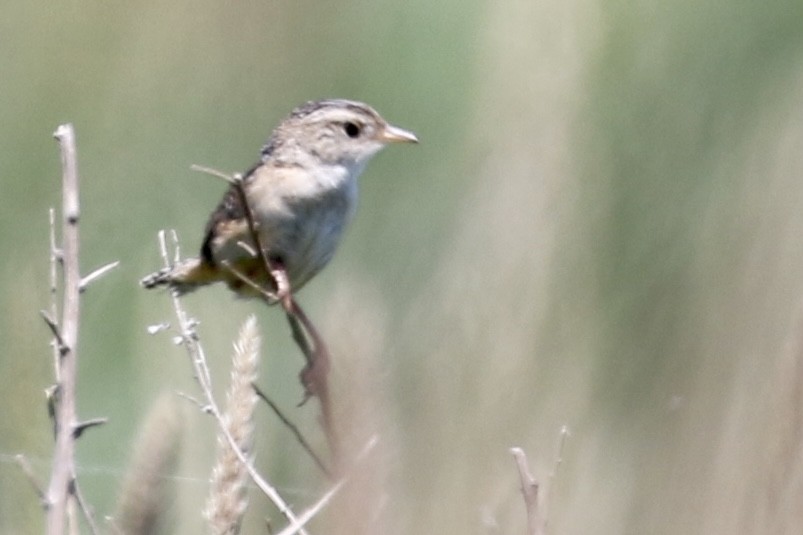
column 293, row 429
column 323, row 501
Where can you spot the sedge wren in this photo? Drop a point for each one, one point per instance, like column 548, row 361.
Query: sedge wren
column 302, row 194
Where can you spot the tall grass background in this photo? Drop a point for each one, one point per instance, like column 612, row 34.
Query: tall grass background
column 602, row 227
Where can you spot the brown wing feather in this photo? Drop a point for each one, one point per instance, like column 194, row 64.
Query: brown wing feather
column 229, row 209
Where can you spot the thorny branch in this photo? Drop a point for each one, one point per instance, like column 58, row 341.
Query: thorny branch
column 66, row 337
column 62, row 493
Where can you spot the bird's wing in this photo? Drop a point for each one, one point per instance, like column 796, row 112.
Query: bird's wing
column 228, row 214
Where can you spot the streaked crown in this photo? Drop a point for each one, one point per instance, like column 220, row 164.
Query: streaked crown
column 335, row 132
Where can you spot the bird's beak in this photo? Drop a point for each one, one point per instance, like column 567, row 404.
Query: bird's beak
column 394, row 134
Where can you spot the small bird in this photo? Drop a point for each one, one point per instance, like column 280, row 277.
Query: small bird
column 302, row 194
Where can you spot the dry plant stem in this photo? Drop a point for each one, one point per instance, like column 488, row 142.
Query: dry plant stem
column 72, row 517
column 529, row 490
column 85, row 509
column 63, row 470
column 315, row 377
column 203, row 377
column 310, row 513
column 296, row 432
column 63, row 494
column 55, row 257
column 25, row 466
column 547, row 493
column 307, row 515
column 213, row 172
column 113, row 527
column 537, row 503
column 564, row 434
column 253, row 228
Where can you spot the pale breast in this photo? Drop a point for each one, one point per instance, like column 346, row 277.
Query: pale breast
column 302, row 219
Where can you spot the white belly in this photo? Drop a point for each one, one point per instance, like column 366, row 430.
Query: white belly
column 303, row 228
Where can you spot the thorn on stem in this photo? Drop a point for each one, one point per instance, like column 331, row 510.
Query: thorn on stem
column 214, row 172
column 54, row 328
column 95, row 275
column 157, row 328
column 80, row 427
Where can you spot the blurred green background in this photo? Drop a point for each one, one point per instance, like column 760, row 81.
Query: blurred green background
column 601, row 228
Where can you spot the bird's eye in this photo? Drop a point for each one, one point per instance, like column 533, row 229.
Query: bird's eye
column 352, row 129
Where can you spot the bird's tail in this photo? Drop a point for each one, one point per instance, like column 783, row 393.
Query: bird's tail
column 182, row 277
